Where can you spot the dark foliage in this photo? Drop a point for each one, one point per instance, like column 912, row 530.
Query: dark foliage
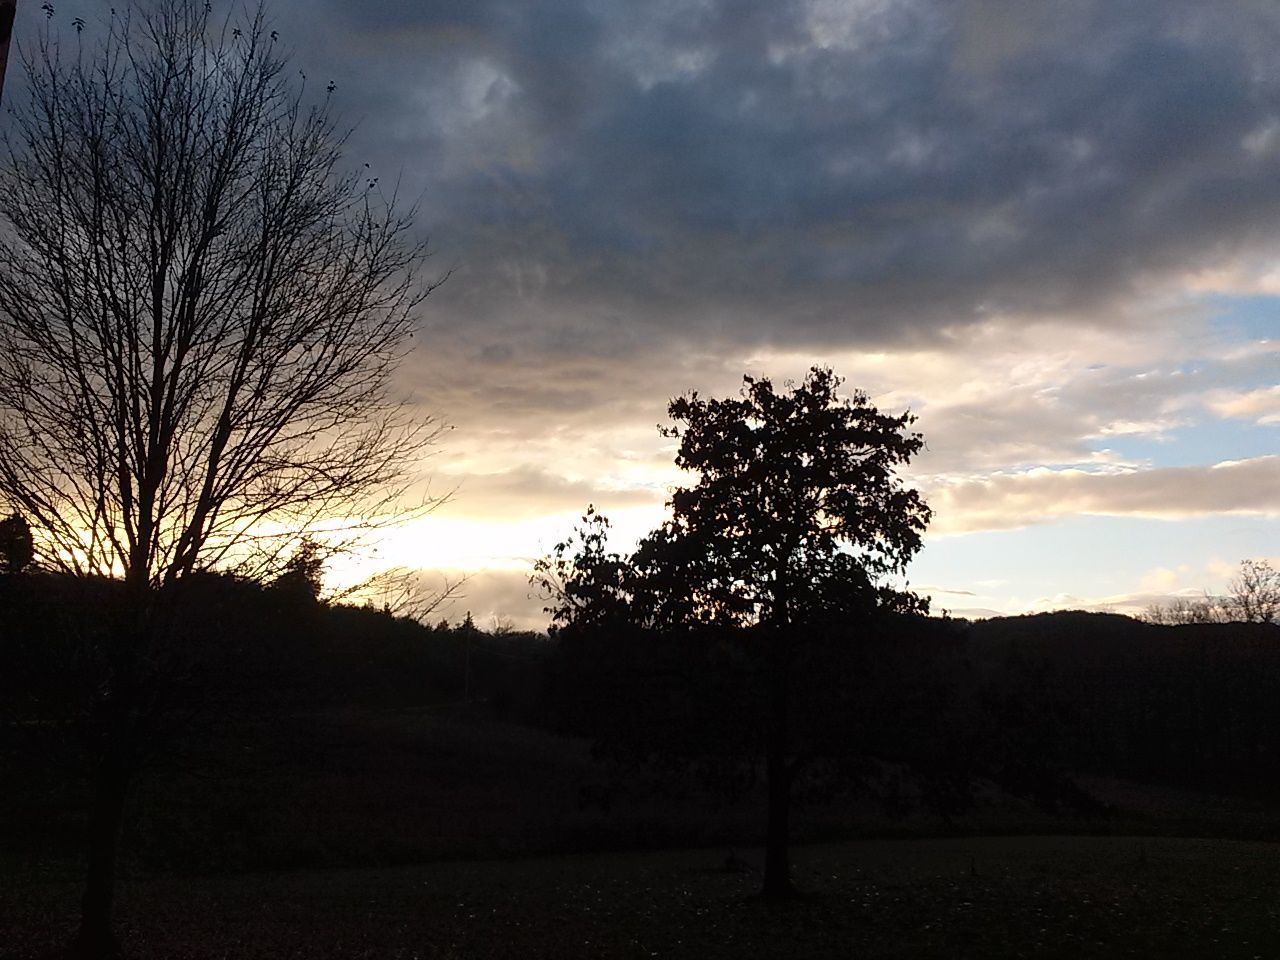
column 277, row 711
column 893, row 706
column 230, row 648
column 781, row 544
column 17, row 548
column 303, row 574
column 1190, row 705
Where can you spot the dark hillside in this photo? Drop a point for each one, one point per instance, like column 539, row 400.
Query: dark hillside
column 1192, row 706
column 295, row 734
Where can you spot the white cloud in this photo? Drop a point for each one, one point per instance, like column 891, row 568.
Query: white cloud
column 1261, row 406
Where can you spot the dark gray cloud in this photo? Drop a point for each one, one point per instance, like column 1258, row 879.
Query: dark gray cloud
column 801, row 172
column 738, row 170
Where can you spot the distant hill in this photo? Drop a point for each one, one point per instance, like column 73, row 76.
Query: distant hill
column 301, row 734
column 1190, row 705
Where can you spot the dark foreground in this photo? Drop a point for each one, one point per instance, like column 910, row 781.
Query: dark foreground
column 985, row 897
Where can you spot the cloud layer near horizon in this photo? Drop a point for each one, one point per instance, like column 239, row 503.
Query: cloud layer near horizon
column 1004, row 501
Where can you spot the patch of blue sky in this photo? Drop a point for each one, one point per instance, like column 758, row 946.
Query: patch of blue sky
column 1207, row 441
column 1092, row 556
column 1245, row 318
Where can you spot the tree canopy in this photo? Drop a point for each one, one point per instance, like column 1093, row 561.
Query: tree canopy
column 17, row 548
column 797, row 512
column 201, row 307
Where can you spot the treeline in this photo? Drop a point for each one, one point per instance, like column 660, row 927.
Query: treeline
column 230, row 645
column 1024, row 702
column 1191, row 705
column 922, row 711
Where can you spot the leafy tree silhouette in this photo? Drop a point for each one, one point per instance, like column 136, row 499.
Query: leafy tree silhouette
column 795, row 520
column 586, row 584
column 303, row 574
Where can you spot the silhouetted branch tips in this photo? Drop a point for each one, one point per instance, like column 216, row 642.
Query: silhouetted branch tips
column 1255, row 592
column 403, row 592
column 1187, row 610
column 1253, row 596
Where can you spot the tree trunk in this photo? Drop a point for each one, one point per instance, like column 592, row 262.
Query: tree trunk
column 8, row 8
column 96, row 939
column 777, row 860
column 120, row 715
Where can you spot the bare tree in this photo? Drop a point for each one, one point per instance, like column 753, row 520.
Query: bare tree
column 403, row 592
column 1253, row 596
column 1184, row 610
column 201, row 312
column 1254, row 593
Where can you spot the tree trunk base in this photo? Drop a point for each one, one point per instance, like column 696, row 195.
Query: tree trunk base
column 780, row 891
column 94, row 944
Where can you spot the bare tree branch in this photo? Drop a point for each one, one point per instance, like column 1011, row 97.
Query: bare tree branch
column 201, row 310
column 403, row 592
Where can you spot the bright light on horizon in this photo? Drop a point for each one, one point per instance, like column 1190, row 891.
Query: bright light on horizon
column 470, row 545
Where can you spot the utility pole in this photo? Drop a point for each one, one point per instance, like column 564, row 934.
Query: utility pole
column 7, row 10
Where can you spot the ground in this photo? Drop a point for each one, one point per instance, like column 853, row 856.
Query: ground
column 361, row 833
column 974, row 897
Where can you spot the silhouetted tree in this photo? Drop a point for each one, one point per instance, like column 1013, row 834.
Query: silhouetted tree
column 1187, row 610
column 585, row 584
column 200, row 314
column 797, row 517
column 17, row 548
column 1254, row 593
column 8, row 8
column 1253, row 596
column 303, row 575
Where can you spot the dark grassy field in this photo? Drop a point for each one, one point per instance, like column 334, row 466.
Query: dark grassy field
column 357, row 786
column 426, row 832
column 978, row 897
column 363, row 786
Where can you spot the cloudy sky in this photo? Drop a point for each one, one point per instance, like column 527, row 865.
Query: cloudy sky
column 1052, row 230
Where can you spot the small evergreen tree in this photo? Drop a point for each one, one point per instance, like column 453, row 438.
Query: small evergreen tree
column 303, row 576
column 17, row 546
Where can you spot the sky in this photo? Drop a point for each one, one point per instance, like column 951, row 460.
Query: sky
column 1050, row 230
